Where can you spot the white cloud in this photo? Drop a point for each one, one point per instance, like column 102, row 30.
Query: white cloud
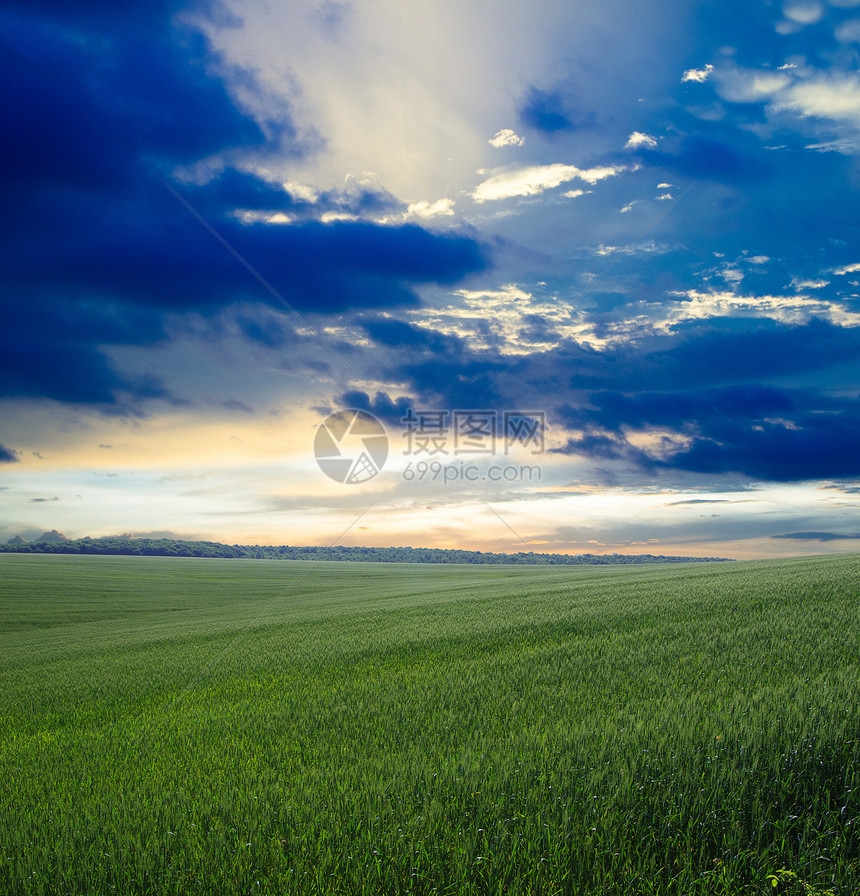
column 299, row 191
column 573, row 194
column 507, row 137
column 503, row 320
column 739, row 85
column 799, row 284
column 849, row 32
column 786, row 26
column 332, row 217
column 698, row 75
column 629, row 206
column 664, row 186
column 510, row 292
column 830, row 101
column 844, row 145
column 637, row 140
column 663, row 196
column 440, row 208
column 533, row 180
column 786, row 309
column 758, row 259
column 804, row 12
column 847, row 269
column 593, row 175
column 250, row 216
column 836, row 97
column 649, row 248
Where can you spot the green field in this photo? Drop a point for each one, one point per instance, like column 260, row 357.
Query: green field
column 277, row 727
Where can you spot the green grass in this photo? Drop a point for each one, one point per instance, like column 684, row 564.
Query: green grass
column 276, row 727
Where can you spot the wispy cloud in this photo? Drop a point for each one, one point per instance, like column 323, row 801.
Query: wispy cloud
column 831, row 96
column 743, row 85
column 535, row 179
column 794, row 309
column 440, row 208
column 849, row 32
column 508, row 320
column 819, row 536
column 804, row 12
column 800, row 284
column 825, row 98
column 649, row 247
column 847, row 269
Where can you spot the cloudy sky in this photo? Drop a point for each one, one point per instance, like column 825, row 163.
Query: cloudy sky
column 635, row 221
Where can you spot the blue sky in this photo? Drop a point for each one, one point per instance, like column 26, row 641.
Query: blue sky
column 225, row 221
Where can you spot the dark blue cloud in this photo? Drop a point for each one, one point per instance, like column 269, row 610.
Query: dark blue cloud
column 704, row 355
column 731, row 350
column 615, row 409
column 8, row 455
column 456, row 382
column 49, row 348
column 549, row 111
column 388, row 410
column 759, row 431
column 399, row 334
column 39, row 365
column 244, row 191
column 813, row 445
column 716, row 389
column 264, row 329
column 101, row 102
column 440, row 380
column 232, row 189
column 806, row 448
column 818, row 536
column 155, row 253
column 105, row 14
column 92, row 111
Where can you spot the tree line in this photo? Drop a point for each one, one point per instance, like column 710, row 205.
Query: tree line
column 166, row 547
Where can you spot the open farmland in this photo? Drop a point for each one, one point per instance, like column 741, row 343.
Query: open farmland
column 214, row 726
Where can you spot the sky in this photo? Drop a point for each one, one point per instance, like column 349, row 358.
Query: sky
column 631, row 226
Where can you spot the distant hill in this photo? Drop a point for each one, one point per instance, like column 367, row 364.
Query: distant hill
column 52, row 537
column 166, row 547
